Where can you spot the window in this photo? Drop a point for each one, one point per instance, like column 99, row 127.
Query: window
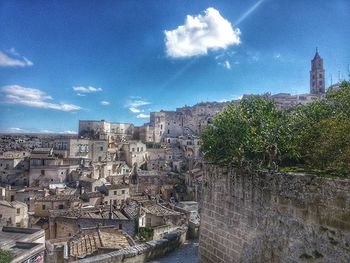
column 138, row 149
column 0, row 216
column 133, row 149
column 18, row 210
column 320, row 75
column 43, row 207
column 320, row 82
column 120, row 226
column 141, row 149
column 168, row 131
column 123, row 191
column 101, row 148
column 115, row 192
column 161, row 126
column 61, row 206
column 42, row 172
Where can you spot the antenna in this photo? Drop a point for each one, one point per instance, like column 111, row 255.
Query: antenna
column 331, row 79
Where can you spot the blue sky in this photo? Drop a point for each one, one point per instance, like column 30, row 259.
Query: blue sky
column 61, row 61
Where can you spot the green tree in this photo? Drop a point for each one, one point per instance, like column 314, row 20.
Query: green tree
column 5, row 256
column 255, row 135
column 252, row 135
column 321, row 132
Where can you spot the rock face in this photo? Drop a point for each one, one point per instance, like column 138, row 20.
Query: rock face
column 273, row 217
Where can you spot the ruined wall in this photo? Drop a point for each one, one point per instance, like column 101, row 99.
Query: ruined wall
column 273, row 218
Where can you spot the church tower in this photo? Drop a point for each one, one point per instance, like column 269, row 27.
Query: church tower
column 317, row 78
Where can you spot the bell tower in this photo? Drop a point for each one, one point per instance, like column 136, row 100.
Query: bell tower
column 317, row 78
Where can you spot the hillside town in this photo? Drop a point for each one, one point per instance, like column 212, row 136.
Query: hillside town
column 112, row 186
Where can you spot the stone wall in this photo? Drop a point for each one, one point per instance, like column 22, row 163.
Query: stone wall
column 143, row 252
column 273, row 218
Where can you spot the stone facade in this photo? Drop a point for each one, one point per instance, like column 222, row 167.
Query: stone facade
column 273, row 217
column 317, row 75
column 166, row 125
column 13, row 214
column 105, row 130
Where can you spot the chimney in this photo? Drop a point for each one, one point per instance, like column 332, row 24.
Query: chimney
column 110, row 210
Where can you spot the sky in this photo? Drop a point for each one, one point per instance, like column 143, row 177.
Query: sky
column 62, row 61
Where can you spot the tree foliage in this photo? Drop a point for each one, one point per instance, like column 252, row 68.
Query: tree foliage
column 255, row 135
column 5, row 256
column 252, row 135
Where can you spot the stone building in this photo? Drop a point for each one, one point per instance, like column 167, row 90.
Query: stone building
column 167, row 125
column 42, row 205
column 65, row 223
column 160, row 219
column 133, row 152
column 104, row 130
column 14, row 167
column 288, row 101
column 317, row 75
column 28, row 194
column 115, row 194
column 47, row 168
column 70, row 148
column 13, row 213
column 25, row 244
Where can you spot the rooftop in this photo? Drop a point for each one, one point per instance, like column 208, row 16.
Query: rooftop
column 158, row 210
column 56, row 198
column 22, row 242
column 88, row 241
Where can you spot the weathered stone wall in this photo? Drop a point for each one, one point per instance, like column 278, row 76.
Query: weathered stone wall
column 144, row 252
column 273, row 218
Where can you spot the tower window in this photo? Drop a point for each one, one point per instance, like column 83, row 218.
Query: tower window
column 320, row 75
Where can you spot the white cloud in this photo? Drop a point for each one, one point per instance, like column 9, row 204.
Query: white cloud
column 89, row 89
column 20, row 130
column 15, row 130
column 105, row 103
column 15, row 94
column 277, row 56
column 226, row 64
column 13, row 59
column 200, row 34
column 69, row 132
column 134, row 110
column 135, row 103
column 142, row 116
